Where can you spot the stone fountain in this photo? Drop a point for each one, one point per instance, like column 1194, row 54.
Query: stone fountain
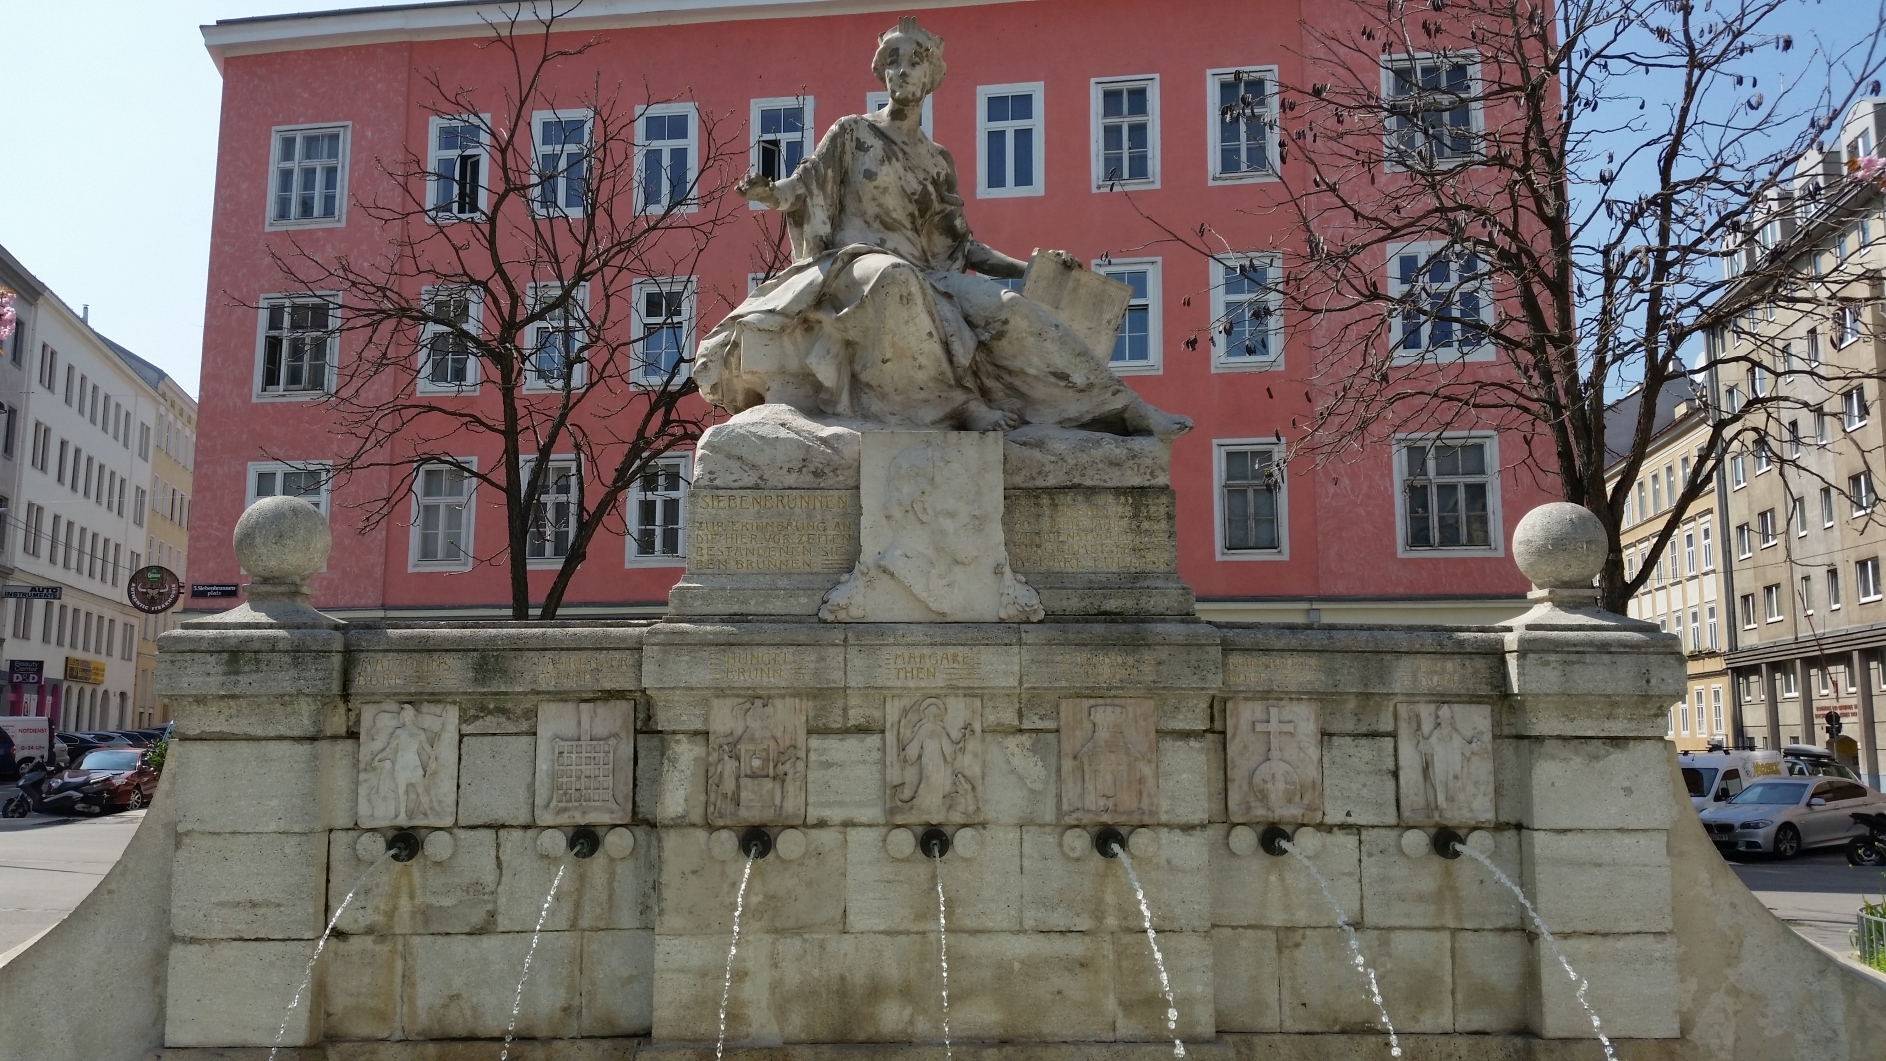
column 913, row 604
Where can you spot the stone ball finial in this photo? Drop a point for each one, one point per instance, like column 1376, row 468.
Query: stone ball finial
column 1560, row 546
column 282, row 539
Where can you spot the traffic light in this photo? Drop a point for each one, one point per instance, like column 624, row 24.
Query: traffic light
column 1833, row 723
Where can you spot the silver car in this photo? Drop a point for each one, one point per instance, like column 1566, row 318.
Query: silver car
column 1787, row 815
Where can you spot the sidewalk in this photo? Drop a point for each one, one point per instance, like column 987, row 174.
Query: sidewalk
column 49, row 864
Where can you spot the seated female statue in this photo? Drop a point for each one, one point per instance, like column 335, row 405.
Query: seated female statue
column 891, row 311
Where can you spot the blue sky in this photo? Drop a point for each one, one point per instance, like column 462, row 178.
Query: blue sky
column 125, row 88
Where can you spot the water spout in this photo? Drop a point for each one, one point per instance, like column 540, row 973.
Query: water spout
column 934, row 842
column 1152, row 940
column 1584, row 985
column 739, row 904
column 756, row 843
column 517, row 1002
column 404, row 845
column 942, row 943
column 584, row 843
column 1355, row 945
column 307, row 975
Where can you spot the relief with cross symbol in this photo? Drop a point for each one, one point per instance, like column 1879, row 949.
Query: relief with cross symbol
column 1273, row 761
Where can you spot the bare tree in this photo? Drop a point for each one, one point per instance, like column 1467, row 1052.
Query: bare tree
column 1503, row 219
column 532, row 299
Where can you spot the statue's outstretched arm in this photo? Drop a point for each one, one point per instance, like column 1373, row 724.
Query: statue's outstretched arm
column 785, row 195
column 991, row 262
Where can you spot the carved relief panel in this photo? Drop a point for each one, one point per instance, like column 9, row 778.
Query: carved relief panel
column 1444, row 763
column 756, row 760
column 1109, row 761
column 408, row 765
column 585, row 763
column 933, row 759
column 1273, row 761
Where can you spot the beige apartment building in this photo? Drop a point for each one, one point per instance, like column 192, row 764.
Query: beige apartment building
column 1683, row 594
column 1804, row 536
column 166, row 436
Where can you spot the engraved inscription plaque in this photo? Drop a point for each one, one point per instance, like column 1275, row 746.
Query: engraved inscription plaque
column 585, row 763
column 756, row 761
column 1089, row 530
column 1273, row 762
column 933, row 759
column 772, row 530
column 1109, row 761
column 1444, row 763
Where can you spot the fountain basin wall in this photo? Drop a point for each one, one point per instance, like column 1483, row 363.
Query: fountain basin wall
column 1562, row 766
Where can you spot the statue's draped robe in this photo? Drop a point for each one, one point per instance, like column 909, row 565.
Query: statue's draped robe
column 878, row 305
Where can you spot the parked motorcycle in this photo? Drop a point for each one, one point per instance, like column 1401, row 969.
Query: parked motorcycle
column 67, row 793
column 1868, row 850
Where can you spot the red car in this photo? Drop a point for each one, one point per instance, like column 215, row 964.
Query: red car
column 110, row 778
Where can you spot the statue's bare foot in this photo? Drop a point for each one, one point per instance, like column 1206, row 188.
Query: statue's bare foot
column 1143, row 419
column 987, row 418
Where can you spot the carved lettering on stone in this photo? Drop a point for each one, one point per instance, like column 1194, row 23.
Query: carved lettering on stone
column 756, row 761
column 1109, row 761
column 1444, row 760
column 1273, row 761
column 408, row 765
column 585, row 763
column 933, row 759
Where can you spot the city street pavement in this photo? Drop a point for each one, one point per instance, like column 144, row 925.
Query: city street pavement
column 1817, row 894
column 48, row 864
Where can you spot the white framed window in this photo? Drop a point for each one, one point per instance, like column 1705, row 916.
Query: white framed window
column 1732, row 399
column 877, row 101
column 1853, row 410
column 1738, row 471
column 1009, row 137
column 447, row 362
column 1771, row 602
column 1434, row 111
column 1744, row 542
column 296, row 345
column 563, row 142
column 1126, row 132
column 457, row 166
column 1242, row 103
column 1450, row 492
column 1247, row 313
column 666, row 156
column 1253, row 522
column 1714, row 640
column 1706, row 533
column 1860, row 492
column 1805, row 595
column 1748, row 611
column 664, row 329
column 1715, row 708
column 559, row 342
column 1685, row 722
column 782, row 135
column 1846, row 325
column 657, row 513
column 307, row 480
column 1136, row 344
column 1689, row 551
column 1696, row 634
column 1765, row 527
column 554, row 513
column 442, row 517
column 1445, row 305
column 309, row 189
column 1866, row 579
column 1797, row 515
column 1764, row 457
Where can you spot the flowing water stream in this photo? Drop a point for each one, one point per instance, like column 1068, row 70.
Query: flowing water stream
column 1355, row 944
column 517, row 1002
column 726, row 983
column 1159, row 960
column 1584, row 985
column 943, row 955
column 307, row 977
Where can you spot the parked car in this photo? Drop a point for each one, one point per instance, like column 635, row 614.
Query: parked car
column 75, row 746
column 101, row 738
column 1787, row 815
column 1805, row 760
column 135, row 738
column 1715, row 777
column 161, row 733
column 117, row 778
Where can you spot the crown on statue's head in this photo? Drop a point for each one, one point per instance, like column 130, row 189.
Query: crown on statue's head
column 908, row 29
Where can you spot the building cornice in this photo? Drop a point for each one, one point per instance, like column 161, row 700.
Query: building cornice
column 474, row 18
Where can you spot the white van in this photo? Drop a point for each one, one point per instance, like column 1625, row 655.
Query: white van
column 1714, row 777
column 32, row 736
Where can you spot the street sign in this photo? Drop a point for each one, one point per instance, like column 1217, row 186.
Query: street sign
column 154, row 589
column 25, row 671
column 90, row 671
column 36, row 592
column 213, row 589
